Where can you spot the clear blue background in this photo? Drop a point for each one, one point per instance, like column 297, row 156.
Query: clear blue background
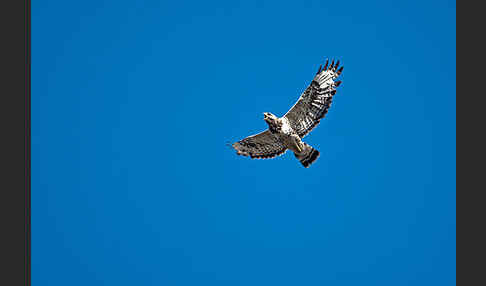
column 133, row 102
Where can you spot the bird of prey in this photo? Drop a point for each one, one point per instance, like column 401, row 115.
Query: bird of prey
column 287, row 131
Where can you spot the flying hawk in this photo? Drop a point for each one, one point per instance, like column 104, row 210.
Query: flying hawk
column 287, row 132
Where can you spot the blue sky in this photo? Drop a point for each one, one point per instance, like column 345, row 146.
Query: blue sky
column 133, row 102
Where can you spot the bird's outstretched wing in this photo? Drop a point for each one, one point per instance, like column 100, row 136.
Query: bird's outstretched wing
column 262, row 145
column 315, row 101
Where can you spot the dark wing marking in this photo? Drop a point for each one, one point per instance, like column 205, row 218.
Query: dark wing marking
column 262, row 145
column 315, row 101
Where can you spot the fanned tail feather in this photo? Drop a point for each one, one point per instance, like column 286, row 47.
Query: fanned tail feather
column 308, row 156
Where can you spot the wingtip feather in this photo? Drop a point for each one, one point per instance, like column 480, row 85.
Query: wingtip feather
column 340, row 70
column 327, row 62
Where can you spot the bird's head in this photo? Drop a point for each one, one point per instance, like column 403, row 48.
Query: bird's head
column 269, row 118
column 272, row 121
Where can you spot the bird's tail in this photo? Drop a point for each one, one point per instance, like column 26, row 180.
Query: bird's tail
column 307, row 156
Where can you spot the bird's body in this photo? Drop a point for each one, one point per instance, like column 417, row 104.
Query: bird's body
column 284, row 133
column 287, row 131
